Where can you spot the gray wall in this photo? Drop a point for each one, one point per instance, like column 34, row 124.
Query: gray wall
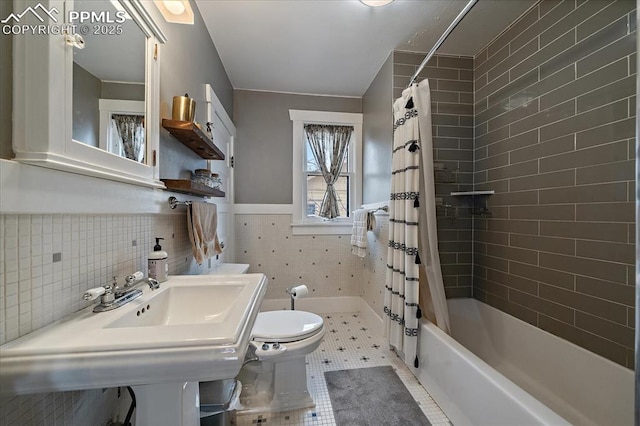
column 6, row 89
column 263, row 149
column 127, row 92
column 189, row 60
column 555, row 127
column 87, row 90
column 377, row 133
column 451, row 84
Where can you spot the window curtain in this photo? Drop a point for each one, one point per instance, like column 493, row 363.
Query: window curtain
column 329, row 146
column 412, row 225
column 130, row 129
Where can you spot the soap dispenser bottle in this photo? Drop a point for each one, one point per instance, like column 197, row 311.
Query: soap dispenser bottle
column 158, row 262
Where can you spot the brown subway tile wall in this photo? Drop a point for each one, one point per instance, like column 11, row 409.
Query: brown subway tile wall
column 451, row 83
column 554, row 137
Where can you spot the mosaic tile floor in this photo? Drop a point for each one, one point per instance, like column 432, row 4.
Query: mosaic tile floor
column 348, row 343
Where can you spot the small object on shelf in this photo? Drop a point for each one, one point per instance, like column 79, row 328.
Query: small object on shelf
column 184, row 108
column 187, row 186
column 207, row 178
column 191, row 136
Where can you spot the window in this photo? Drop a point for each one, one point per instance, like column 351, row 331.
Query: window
column 309, row 184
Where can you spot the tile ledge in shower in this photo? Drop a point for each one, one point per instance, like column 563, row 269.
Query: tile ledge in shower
column 462, row 193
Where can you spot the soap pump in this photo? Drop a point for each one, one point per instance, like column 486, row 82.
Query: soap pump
column 158, row 262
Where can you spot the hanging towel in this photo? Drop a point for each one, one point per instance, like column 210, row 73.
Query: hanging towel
column 359, row 233
column 202, row 223
column 371, row 221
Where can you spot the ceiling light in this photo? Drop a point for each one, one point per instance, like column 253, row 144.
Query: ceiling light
column 176, row 11
column 176, row 7
column 376, row 3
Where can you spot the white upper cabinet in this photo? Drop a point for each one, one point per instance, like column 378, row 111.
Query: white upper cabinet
column 58, row 90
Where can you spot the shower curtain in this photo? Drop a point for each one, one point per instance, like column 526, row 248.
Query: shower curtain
column 413, row 239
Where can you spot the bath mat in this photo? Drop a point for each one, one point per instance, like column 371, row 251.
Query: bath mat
column 370, row 397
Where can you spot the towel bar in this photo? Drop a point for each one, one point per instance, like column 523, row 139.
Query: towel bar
column 383, row 208
column 373, row 208
column 173, row 202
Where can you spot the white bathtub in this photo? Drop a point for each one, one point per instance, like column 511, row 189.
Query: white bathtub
column 570, row 384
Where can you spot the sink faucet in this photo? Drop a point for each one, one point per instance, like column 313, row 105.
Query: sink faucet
column 113, row 296
column 132, row 281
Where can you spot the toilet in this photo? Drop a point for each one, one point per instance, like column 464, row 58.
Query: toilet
column 274, row 377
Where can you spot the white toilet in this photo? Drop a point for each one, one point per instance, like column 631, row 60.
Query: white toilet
column 277, row 380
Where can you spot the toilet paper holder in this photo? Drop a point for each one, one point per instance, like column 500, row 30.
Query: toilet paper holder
column 295, row 292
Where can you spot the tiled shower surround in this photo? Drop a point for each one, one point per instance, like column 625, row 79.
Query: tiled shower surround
column 451, row 84
column 554, row 127
column 554, row 137
column 46, row 263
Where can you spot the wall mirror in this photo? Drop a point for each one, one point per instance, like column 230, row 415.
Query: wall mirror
column 97, row 107
column 109, row 86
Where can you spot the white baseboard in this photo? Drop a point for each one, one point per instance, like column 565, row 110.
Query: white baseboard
column 372, row 317
column 329, row 305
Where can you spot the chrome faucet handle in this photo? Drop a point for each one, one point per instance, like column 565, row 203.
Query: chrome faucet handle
column 93, row 293
column 106, row 292
column 133, row 279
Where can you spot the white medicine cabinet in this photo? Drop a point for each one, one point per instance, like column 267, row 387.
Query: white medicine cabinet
column 44, row 67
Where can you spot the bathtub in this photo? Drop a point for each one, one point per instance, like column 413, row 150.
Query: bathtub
column 550, row 380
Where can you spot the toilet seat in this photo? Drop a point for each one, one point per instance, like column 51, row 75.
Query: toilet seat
column 286, row 326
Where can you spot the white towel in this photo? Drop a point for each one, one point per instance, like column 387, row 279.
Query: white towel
column 202, row 223
column 359, row 233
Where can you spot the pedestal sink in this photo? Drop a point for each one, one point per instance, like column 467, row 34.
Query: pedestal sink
column 194, row 328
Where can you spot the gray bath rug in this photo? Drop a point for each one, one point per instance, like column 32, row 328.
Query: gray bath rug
column 371, row 397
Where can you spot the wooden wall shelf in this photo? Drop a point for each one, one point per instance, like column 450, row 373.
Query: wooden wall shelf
column 186, row 186
column 197, row 140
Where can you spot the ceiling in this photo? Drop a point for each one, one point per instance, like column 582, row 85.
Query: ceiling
column 115, row 58
column 336, row 47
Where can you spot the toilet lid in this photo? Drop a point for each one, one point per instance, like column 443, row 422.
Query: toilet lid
column 285, row 326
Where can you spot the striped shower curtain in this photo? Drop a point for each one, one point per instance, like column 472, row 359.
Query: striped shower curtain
column 412, row 225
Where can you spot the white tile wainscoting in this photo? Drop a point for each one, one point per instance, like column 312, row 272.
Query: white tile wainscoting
column 323, row 263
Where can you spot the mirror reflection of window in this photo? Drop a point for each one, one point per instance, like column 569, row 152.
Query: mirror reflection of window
column 111, row 66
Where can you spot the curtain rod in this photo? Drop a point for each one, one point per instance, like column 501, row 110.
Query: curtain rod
column 442, row 38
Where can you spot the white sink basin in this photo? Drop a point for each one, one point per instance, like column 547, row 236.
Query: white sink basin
column 194, row 328
column 185, row 305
